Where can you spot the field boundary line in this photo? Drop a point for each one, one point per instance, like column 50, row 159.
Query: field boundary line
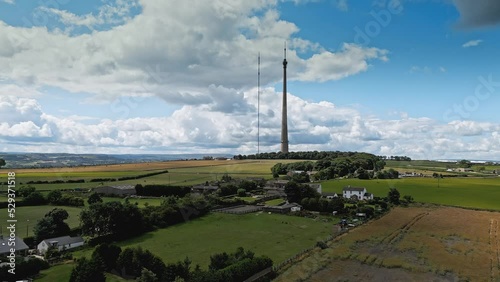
column 497, row 244
column 396, row 234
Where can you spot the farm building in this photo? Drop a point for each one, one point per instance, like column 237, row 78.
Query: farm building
column 204, row 189
column 20, row 246
column 122, row 190
column 277, row 183
column 356, row 193
column 329, row 195
column 61, row 243
column 286, row 208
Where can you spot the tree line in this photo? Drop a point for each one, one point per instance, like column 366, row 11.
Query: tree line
column 337, row 164
column 145, row 266
column 302, row 155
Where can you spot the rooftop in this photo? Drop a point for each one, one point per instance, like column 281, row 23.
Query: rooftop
column 64, row 240
column 350, row 188
column 5, row 248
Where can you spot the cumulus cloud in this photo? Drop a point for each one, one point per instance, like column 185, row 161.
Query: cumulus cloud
column 333, row 66
column 111, row 13
column 478, row 13
column 472, row 43
column 172, row 50
column 201, row 129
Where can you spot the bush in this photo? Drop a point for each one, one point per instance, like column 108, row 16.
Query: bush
column 321, row 244
column 242, row 192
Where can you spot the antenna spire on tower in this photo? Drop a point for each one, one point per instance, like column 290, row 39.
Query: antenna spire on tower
column 258, row 105
column 285, row 51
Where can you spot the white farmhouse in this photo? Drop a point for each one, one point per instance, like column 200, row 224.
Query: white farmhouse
column 356, row 193
column 61, row 243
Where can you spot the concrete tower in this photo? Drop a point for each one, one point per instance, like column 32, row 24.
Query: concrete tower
column 284, row 121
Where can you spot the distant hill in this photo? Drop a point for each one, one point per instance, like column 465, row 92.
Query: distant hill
column 40, row 160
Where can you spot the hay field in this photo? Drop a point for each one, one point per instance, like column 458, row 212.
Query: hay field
column 180, row 173
column 411, row 244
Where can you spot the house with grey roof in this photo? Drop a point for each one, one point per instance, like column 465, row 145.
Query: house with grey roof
column 17, row 244
column 61, row 243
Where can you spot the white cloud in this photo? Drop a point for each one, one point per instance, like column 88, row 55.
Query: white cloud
column 351, row 60
column 173, row 50
column 110, row 13
column 8, row 1
column 419, row 69
column 312, row 126
column 426, row 69
column 472, row 43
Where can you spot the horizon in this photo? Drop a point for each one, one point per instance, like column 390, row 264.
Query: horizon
column 473, row 161
column 387, row 77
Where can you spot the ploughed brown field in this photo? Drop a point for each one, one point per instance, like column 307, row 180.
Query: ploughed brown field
column 411, row 244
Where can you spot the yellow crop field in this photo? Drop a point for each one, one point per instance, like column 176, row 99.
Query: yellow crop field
column 411, row 244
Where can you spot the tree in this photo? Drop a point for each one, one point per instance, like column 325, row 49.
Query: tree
column 393, row 196
column 52, row 225
column 35, row 199
column 94, row 198
column 362, row 173
column 108, row 254
column 2, row 163
column 302, row 177
column 241, row 192
column 465, row 163
column 54, row 196
column 146, row 276
column 132, row 261
column 408, row 198
column 336, row 204
column 87, row 270
column 295, row 192
column 24, row 191
column 113, row 218
column 248, row 185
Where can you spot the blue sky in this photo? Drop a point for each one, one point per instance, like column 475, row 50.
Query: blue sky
column 389, row 77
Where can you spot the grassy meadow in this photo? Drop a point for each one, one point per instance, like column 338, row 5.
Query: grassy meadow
column 28, row 216
column 483, row 193
column 274, row 235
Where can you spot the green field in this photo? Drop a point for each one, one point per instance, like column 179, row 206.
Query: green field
column 28, row 216
column 274, row 202
column 470, row 192
column 273, row 235
column 182, row 173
